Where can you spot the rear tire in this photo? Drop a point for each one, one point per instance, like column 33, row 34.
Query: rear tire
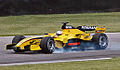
column 16, row 40
column 48, row 45
column 100, row 41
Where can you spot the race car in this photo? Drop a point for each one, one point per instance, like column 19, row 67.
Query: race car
column 68, row 38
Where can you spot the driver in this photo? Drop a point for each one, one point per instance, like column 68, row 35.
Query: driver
column 59, row 33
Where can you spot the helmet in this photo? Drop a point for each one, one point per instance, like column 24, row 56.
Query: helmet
column 59, row 33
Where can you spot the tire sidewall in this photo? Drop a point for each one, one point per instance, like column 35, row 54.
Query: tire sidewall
column 96, row 40
column 45, row 45
column 52, row 48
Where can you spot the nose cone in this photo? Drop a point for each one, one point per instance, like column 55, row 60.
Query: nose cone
column 18, row 44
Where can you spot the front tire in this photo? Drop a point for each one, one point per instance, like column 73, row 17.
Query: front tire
column 16, row 40
column 100, row 41
column 48, row 45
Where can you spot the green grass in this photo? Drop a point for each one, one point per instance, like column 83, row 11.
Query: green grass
column 112, row 64
column 39, row 24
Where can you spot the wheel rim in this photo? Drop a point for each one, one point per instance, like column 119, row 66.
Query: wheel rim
column 51, row 45
column 102, row 41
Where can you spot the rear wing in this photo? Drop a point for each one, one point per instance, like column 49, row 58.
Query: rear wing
column 92, row 28
column 100, row 29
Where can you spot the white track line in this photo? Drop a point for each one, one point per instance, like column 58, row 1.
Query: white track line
column 55, row 61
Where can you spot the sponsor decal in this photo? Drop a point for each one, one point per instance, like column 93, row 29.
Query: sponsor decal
column 77, row 43
column 68, row 27
column 88, row 27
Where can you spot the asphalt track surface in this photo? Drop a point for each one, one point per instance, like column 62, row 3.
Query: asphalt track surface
column 8, row 56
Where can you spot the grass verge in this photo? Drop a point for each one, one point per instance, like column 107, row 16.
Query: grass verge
column 112, row 64
column 39, row 24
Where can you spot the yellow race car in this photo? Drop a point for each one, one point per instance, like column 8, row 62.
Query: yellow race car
column 69, row 38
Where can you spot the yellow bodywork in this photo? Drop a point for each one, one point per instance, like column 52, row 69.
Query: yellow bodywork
column 34, row 43
column 60, row 41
